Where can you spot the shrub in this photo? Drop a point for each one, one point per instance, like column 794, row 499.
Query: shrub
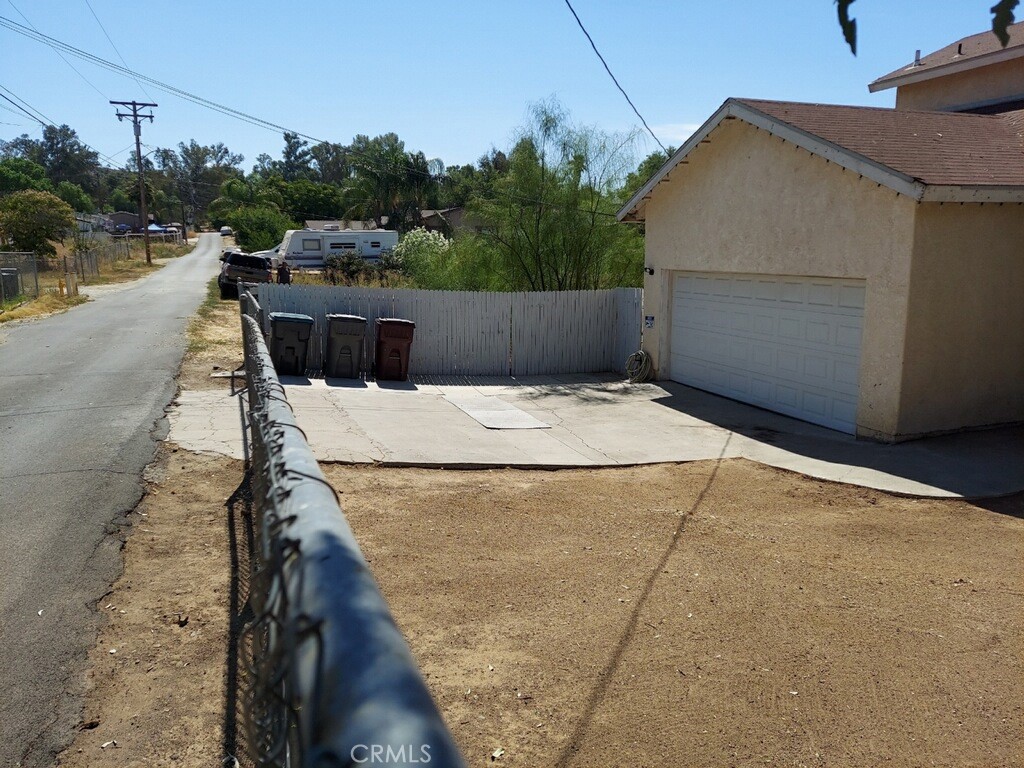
column 259, row 228
column 346, row 268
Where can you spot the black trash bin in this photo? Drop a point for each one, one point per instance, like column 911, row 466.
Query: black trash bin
column 394, row 341
column 345, row 334
column 9, row 283
column 289, row 342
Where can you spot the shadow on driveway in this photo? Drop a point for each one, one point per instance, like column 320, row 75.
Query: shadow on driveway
column 986, row 462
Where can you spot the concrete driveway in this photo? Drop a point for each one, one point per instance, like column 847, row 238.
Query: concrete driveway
column 591, row 421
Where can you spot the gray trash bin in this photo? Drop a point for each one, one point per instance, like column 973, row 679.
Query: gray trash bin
column 9, row 283
column 289, row 342
column 345, row 334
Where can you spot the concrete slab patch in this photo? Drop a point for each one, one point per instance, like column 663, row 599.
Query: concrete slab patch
column 495, row 413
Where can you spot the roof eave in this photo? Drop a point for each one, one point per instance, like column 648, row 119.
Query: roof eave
column 911, row 74
column 966, row 193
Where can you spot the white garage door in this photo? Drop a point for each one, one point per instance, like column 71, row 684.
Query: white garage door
column 789, row 344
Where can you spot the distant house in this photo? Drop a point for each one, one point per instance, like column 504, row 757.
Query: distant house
column 450, row 220
column 125, row 219
column 91, row 222
column 854, row 267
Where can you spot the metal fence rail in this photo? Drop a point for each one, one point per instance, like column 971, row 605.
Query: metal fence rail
column 332, row 680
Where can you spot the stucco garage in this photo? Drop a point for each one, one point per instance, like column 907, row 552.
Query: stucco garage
column 886, row 248
column 790, row 344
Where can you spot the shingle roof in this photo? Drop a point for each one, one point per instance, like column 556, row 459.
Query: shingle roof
column 956, row 54
column 937, row 148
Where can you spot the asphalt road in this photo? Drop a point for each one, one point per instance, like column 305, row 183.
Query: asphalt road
column 82, row 399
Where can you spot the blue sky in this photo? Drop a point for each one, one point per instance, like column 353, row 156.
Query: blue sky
column 451, row 77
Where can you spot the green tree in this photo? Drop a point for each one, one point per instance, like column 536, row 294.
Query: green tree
column 75, row 196
column 120, row 200
column 551, row 217
column 236, row 193
column 61, row 153
column 295, row 158
column 330, row 163
column 389, row 184
column 649, row 166
column 17, row 173
column 198, row 171
column 259, row 228
column 30, row 220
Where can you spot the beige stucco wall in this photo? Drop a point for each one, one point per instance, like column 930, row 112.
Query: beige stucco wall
column 748, row 202
column 964, row 363
column 995, row 81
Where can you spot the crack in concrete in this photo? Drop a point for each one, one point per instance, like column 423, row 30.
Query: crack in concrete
column 561, row 425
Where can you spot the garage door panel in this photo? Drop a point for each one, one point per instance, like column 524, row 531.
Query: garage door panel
column 846, row 373
column 851, row 296
column 818, row 368
column 821, row 294
column 793, row 292
column 848, row 336
column 790, row 344
column 818, row 332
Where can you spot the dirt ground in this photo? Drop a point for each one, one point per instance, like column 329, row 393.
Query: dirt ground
column 704, row 614
column 156, row 683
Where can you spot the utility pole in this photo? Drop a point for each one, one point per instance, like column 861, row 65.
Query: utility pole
column 137, row 119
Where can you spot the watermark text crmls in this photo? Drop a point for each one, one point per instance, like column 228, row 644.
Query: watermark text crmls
column 389, row 754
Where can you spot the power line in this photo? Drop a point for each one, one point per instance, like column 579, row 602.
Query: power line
column 41, row 117
column 228, row 111
column 87, row 80
column 109, row 40
column 111, row 66
column 614, row 80
column 46, row 122
column 24, row 111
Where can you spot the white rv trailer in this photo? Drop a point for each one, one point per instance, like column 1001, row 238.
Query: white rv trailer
column 307, row 248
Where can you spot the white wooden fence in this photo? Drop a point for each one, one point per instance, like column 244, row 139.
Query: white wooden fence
column 475, row 333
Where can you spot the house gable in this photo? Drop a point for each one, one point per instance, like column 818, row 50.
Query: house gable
column 923, row 155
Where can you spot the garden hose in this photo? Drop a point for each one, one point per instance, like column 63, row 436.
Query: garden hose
column 638, row 367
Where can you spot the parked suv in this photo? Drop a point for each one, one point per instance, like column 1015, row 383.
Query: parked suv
column 236, row 266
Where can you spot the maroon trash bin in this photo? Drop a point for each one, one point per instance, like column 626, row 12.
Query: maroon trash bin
column 394, row 340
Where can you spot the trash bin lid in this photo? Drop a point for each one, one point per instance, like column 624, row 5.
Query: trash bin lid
column 289, row 317
column 349, row 318
column 394, row 321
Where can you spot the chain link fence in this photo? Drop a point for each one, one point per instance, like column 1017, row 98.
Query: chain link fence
column 97, row 258
column 19, row 278
column 330, row 680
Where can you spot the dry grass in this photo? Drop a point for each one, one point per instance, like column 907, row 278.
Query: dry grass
column 368, row 279
column 123, row 271
column 47, row 304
